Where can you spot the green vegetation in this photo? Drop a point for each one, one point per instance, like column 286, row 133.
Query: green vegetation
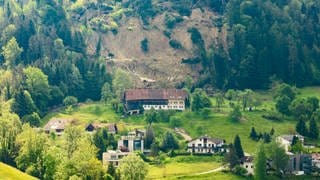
column 7, row 172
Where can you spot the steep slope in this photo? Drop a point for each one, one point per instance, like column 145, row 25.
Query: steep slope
column 10, row 173
column 162, row 63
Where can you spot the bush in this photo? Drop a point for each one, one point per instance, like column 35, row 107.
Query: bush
column 144, row 44
column 33, row 119
column 167, row 33
column 235, row 115
column 175, row 122
column 238, row 170
column 70, row 101
column 170, row 20
column 175, row 44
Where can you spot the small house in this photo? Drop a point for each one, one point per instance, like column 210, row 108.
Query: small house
column 286, row 140
column 57, row 125
column 111, row 127
column 247, row 163
column 205, row 145
column 113, row 157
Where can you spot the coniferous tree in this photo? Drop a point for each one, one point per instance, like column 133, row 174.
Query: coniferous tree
column 23, row 103
column 169, row 142
column 260, row 171
column 149, row 139
column 238, row 147
column 301, row 128
column 313, row 129
column 253, row 134
column 232, row 157
column 272, row 132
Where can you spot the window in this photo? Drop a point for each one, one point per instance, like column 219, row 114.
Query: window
column 246, row 166
column 199, row 145
column 252, row 167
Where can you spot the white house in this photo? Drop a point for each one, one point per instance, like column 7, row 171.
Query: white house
column 247, row 163
column 113, row 157
column 286, row 140
column 206, row 144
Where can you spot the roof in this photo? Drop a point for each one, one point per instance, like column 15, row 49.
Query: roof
column 247, row 159
column 158, row 94
column 111, row 126
column 289, row 137
column 57, row 123
column 214, row 140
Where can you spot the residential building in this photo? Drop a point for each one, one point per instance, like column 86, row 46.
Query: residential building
column 316, row 160
column 113, row 157
column 286, row 140
column 247, row 163
column 299, row 164
column 57, row 125
column 134, row 141
column 111, row 127
column 135, row 100
column 206, row 144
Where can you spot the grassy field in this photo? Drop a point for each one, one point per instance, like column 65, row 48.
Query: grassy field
column 10, row 173
column 182, row 166
column 212, row 176
column 216, row 125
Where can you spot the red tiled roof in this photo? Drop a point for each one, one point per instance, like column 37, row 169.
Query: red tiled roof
column 158, row 94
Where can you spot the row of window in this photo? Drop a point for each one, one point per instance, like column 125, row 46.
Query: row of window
column 163, row 106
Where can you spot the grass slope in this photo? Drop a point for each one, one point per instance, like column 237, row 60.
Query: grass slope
column 10, row 173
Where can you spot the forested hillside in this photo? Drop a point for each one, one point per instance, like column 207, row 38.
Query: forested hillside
column 223, row 44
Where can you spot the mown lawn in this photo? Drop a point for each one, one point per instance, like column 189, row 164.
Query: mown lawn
column 215, row 175
column 10, row 173
column 184, row 165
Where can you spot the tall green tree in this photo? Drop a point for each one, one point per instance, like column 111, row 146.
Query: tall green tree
column 121, row 82
column 23, row 103
column 278, row 156
column 11, row 53
column 150, row 138
column 32, row 151
column 301, row 128
column 133, row 168
column 238, row 147
column 169, row 142
column 260, row 171
column 313, row 129
column 38, row 86
column 200, row 100
column 10, row 127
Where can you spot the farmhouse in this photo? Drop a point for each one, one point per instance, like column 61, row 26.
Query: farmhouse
column 113, row 157
column 112, row 128
column 286, row 140
column 247, row 163
column 132, row 142
column 135, row 100
column 206, row 144
column 57, row 125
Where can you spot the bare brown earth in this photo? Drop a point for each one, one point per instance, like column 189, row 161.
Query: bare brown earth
column 161, row 65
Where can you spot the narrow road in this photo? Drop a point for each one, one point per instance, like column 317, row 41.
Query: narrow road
column 183, row 133
column 211, row 171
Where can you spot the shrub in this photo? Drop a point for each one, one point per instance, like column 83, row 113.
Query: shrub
column 175, row 122
column 175, row 44
column 170, row 21
column 70, row 101
column 144, row 44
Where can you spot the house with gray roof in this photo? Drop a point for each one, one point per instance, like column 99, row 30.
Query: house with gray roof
column 206, row 145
